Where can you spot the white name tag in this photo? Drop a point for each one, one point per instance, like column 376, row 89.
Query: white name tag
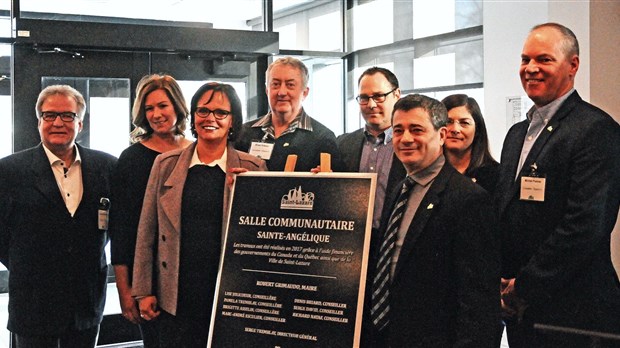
column 261, row 150
column 532, row 189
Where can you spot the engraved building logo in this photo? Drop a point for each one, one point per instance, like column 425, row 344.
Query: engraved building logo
column 297, row 200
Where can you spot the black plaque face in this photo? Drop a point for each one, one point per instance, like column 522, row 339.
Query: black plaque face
column 294, row 263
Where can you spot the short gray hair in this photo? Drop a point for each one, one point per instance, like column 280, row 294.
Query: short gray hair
column 570, row 45
column 65, row 90
column 294, row 62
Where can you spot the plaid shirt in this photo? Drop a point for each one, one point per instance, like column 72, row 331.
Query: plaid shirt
column 302, row 121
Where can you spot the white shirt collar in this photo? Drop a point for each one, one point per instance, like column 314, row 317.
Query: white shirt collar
column 54, row 159
column 221, row 162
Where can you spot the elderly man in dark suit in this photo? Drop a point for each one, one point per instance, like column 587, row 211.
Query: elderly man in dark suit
column 369, row 149
column 52, row 235
column 558, row 195
column 435, row 273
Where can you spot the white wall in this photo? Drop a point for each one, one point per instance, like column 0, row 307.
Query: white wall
column 576, row 16
column 506, row 24
column 605, row 74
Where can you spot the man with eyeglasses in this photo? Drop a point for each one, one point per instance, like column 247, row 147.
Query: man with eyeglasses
column 287, row 129
column 53, row 228
column 369, row 149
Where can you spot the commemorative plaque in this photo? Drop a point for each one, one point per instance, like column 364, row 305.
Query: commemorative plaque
column 294, row 262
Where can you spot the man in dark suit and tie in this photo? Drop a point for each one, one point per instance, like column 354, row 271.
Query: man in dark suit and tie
column 558, row 196
column 435, row 273
column 52, row 235
column 369, row 149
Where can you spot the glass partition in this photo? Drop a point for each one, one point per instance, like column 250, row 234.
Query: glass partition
column 5, row 18
column 308, row 25
column 324, row 102
column 6, row 133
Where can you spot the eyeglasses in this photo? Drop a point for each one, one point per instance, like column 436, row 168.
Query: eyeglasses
column 50, row 116
column 378, row 98
column 219, row 114
column 465, row 123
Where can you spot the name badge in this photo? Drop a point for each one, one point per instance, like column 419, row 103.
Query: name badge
column 103, row 213
column 261, row 150
column 532, row 189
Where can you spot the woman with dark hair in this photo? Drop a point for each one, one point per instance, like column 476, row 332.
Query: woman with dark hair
column 160, row 117
column 181, row 226
column 467, row 143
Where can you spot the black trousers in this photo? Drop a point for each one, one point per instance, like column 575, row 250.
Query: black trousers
column 150, row 333
column 178, row 332
column 70, row 339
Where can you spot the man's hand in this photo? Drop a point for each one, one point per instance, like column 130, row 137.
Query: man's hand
column 513, row 306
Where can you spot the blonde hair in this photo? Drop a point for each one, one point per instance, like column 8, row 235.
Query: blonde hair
column 148, row 84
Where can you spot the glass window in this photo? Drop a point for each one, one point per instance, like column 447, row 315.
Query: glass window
column 230, row 14
column 6, row 133
column 5, row 20
column 381, row 14
column 308, row 24
column 434, row 71
column 451, row 64
column 325, row 32
column 445, row 16
column 433, row 17
column 324, row 102
column 468, row 13
column 287, row 35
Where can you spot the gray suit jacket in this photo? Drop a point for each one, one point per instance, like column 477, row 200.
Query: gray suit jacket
column 161, row 216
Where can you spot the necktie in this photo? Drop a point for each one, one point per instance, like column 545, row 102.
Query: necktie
column 381, row 281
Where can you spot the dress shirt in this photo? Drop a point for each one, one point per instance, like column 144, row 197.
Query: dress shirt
column 377, row 155
column 538, row 117
column 423, row 180
column 69, row 180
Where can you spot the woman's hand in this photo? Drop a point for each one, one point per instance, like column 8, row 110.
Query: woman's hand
column 148, row 307
column 230, row 176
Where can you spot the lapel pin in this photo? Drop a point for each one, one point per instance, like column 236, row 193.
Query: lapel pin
column 285, row 144
column 430, row 206
column 550, row 128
